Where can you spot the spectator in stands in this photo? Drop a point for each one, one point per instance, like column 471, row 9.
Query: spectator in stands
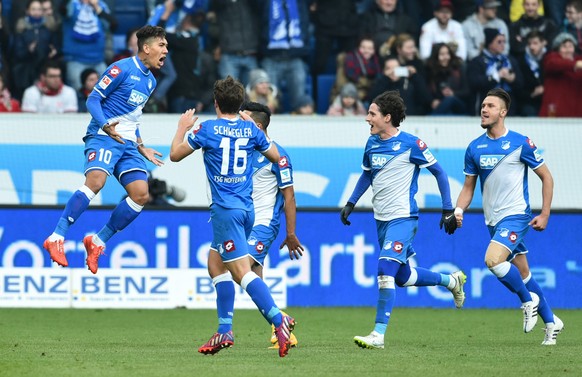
column 238, row 38
column 49, row 94
column 7, row 103
column 53, row 20
column 285, row 45
column 412, row 88
column 573, row 22
column 562, row 79
column 89, row 78
column 442, row 28
column 474, row 25
column 84, row 30
column 530, row 65
column 34, row 44
column 130, row 46
column 493, row 69
column 4, row 44
column 447, row 81
column 529, row 21
column 347, row 102
column 555, row 9
column 361, row 67
column 336, row 22
column 195, row 68
column 384, row 20
column 260, row 89
column 405, row 50
column 305, row 106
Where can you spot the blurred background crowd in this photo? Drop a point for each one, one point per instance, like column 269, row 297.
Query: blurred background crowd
column 302, row 56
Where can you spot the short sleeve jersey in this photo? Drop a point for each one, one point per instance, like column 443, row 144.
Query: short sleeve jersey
column 501, row 165
column 125, row 87
column 228, row 147
column 268, row 180
column 395, row 165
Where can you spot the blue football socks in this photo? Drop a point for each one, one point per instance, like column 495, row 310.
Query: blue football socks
column 261, row 296
column 75, row 207
column 544, row 309
column 125, row 212
column 224, row 301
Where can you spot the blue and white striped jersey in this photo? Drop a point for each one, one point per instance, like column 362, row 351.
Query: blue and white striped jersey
column 501, row 165
column 124, row 88
column 395, row 164
column 268, row 180
column 228, row 145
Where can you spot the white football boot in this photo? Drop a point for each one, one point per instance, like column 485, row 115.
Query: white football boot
column 530, row 313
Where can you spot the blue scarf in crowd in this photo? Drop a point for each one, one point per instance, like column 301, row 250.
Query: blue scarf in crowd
column 494, row 64
column 284, row 25
column 533, row 62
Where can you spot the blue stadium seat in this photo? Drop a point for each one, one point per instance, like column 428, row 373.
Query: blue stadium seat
column 130, row 14
column 324, row 85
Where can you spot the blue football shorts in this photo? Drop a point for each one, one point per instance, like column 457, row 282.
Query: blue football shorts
column 104, row 153
column 510, row 232
column 231, row 229
column 260, row 241
column 395, row 238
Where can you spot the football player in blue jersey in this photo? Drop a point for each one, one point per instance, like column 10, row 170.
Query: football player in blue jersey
column 392, row 162
column 228, row 144
column 113, row 146
column 500, row 158
column 273, row 194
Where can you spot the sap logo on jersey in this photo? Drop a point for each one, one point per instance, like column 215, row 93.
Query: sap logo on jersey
column 379, row 160
column 137, row 98
column 489, row 161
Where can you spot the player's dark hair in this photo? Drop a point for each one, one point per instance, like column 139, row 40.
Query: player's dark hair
column 391, row 103
column 146, row 33
column 259, row 112
column 229, row 95
column 502, row 94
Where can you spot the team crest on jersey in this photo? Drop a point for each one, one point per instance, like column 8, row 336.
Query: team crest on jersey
column 387, row 245
column 229, row 246
column 252, row 241
column 397, row 247
column 260, row 247
column 283, row 162
column 104, row 83
column 114, row 71
column 91, row 156
column 505, row 145
column 396, row 146
column 421, row 144
column 531, row 143
column 512, row 237
column 503, row 232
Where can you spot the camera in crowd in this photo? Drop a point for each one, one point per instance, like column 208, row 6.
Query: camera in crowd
column 161, row 192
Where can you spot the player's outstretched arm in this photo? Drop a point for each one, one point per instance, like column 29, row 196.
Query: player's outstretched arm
column 540, row 222
column 291, row 240
column 149, row 153
column 180, row 148
column 465, row 198
column 272, row 154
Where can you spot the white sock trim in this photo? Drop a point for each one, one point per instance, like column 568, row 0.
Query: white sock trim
column 247, row 279
column 412, row 278
column 87, row 191
column 527, row 279
column 133, row 205
column 221, row 278
column 501, row 269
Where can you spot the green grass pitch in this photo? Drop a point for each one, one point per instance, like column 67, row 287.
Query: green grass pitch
column 419, row 342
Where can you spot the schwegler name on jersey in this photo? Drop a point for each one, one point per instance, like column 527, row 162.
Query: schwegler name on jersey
column 502, row 166
column 123, row 91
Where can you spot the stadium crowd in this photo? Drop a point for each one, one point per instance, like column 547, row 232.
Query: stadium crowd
column 442, row 55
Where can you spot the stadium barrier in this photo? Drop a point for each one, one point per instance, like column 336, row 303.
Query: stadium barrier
column 160, row 261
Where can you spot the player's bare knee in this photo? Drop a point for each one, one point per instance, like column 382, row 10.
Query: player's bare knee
column 386, row 282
